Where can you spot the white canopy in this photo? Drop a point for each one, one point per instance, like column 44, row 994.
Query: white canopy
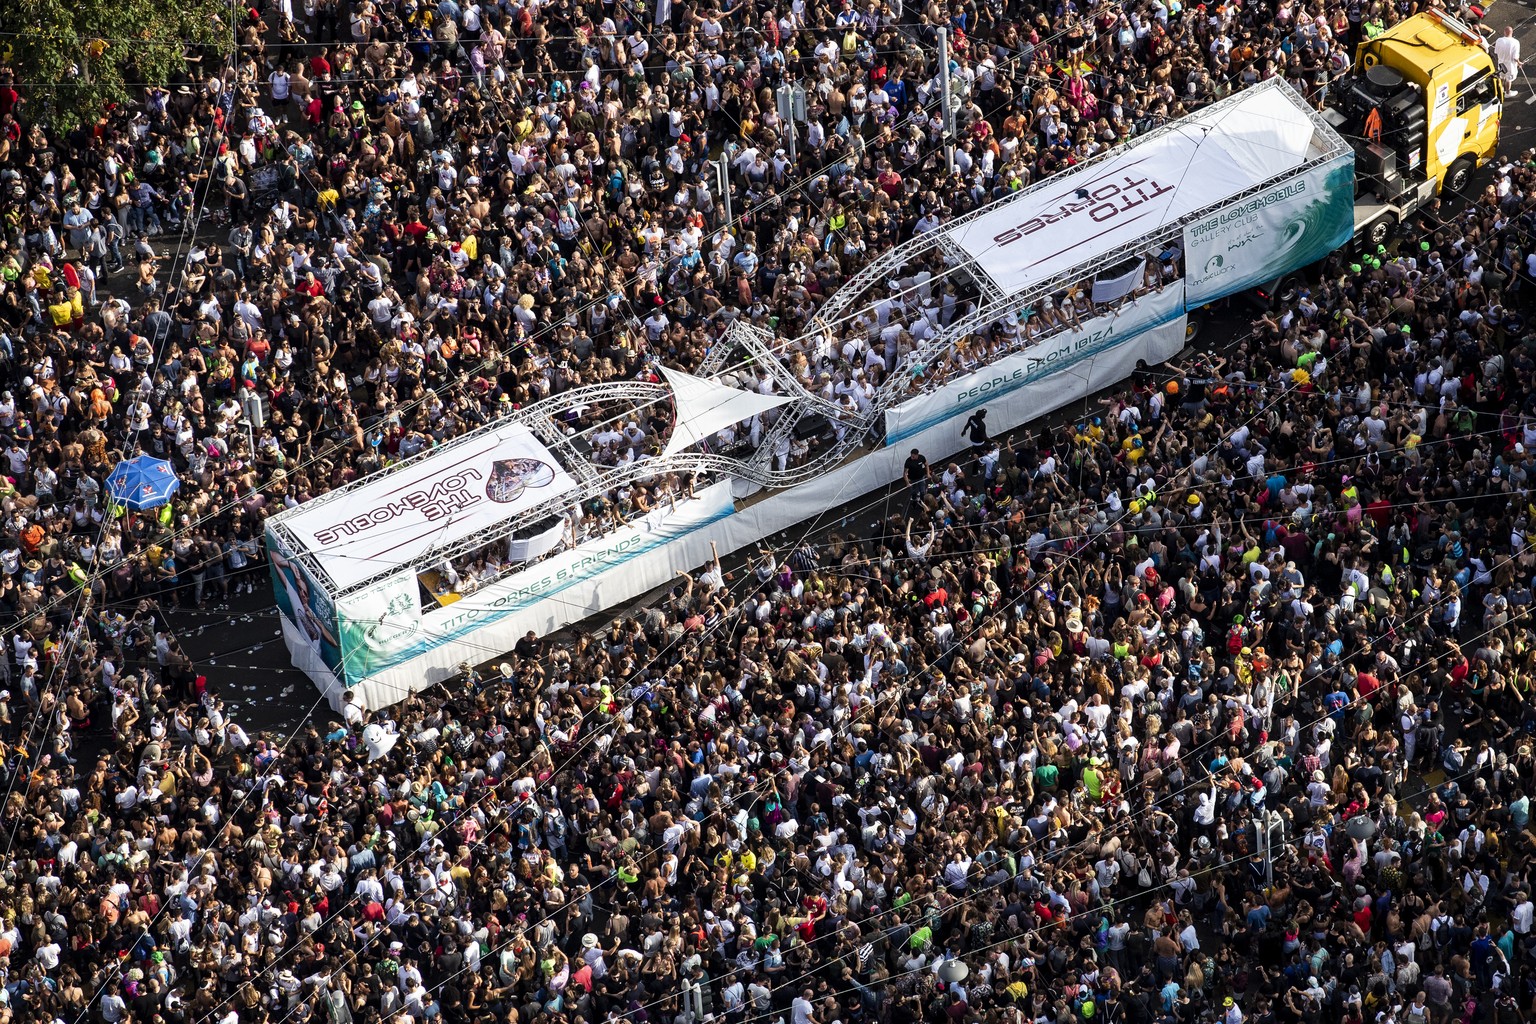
column 392, row 520
column 1095, row 208
column 704, row 407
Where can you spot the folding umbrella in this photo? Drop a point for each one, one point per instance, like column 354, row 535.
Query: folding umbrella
column 142, row 483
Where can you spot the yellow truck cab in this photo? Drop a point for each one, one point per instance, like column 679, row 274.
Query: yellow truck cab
column 1421, row 105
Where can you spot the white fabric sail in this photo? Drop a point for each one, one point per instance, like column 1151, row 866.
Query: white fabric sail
column 703, row 407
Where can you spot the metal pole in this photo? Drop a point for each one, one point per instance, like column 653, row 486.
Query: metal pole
column 1263, row 845
column 724, row 173
column 1269, row 854
column 947, row 101
column 785, row 99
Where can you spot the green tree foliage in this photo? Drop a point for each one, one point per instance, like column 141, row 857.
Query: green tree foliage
column 72, row 57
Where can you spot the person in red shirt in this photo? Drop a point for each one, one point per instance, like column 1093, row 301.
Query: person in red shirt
column 1363, row 916
column 309, row 287
column 1366, row 686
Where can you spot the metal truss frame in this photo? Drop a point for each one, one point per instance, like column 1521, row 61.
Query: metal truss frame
column 749, row 345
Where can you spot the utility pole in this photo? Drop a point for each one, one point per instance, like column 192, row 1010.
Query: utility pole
column 947, row 102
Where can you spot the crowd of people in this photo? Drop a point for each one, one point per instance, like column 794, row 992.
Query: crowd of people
column 402, row 223
column 1211, row 704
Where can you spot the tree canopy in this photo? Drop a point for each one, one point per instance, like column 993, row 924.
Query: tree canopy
column 72, row 57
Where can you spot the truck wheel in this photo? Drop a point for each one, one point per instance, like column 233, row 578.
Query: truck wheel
column 1289, row 291
column 1457, row 176
column 1194, row 323
column 1379, row 231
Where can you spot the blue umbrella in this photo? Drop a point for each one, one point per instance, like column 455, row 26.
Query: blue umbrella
column 142, row 483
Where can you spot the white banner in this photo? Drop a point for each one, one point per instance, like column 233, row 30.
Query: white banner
column 463, row 488
column 376, row 624
column 1090, row 211
column 1113, row 289
column 526, row 549
column 394, row 644
column 1298, row 222
column 1048, row 364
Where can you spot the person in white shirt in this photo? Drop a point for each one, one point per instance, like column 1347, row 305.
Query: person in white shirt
column 1520, row 918
column 48, row 956
column 113, row 1006
column 353, row 710
column 802, row 1010
column 1506, row 51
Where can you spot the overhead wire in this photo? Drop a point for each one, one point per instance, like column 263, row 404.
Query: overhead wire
column 490, row 359
column 1042, row 578
column 59, row 668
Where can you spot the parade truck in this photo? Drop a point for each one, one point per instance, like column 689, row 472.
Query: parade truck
column 1421, row 107
column 1078, row 279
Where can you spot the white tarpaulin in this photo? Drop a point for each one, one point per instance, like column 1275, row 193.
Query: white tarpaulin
column 523, row 549
column 1116, row 287
column 703, row 407
column 1086, row 213
column 393, row 520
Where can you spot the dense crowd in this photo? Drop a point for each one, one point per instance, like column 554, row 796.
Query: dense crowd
column 1209, row 705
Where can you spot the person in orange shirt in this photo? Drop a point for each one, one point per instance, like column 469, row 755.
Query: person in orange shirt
column 259, row 346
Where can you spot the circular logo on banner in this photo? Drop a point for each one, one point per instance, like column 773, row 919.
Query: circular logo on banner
column 511, row 477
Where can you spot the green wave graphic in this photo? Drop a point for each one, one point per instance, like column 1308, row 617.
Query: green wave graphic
column 1317, row 227
column 1321, row 226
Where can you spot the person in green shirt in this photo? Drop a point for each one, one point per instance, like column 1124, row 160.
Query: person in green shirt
column 1093, row 779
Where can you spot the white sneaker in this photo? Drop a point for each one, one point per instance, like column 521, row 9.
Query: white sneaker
column 1510, row 93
